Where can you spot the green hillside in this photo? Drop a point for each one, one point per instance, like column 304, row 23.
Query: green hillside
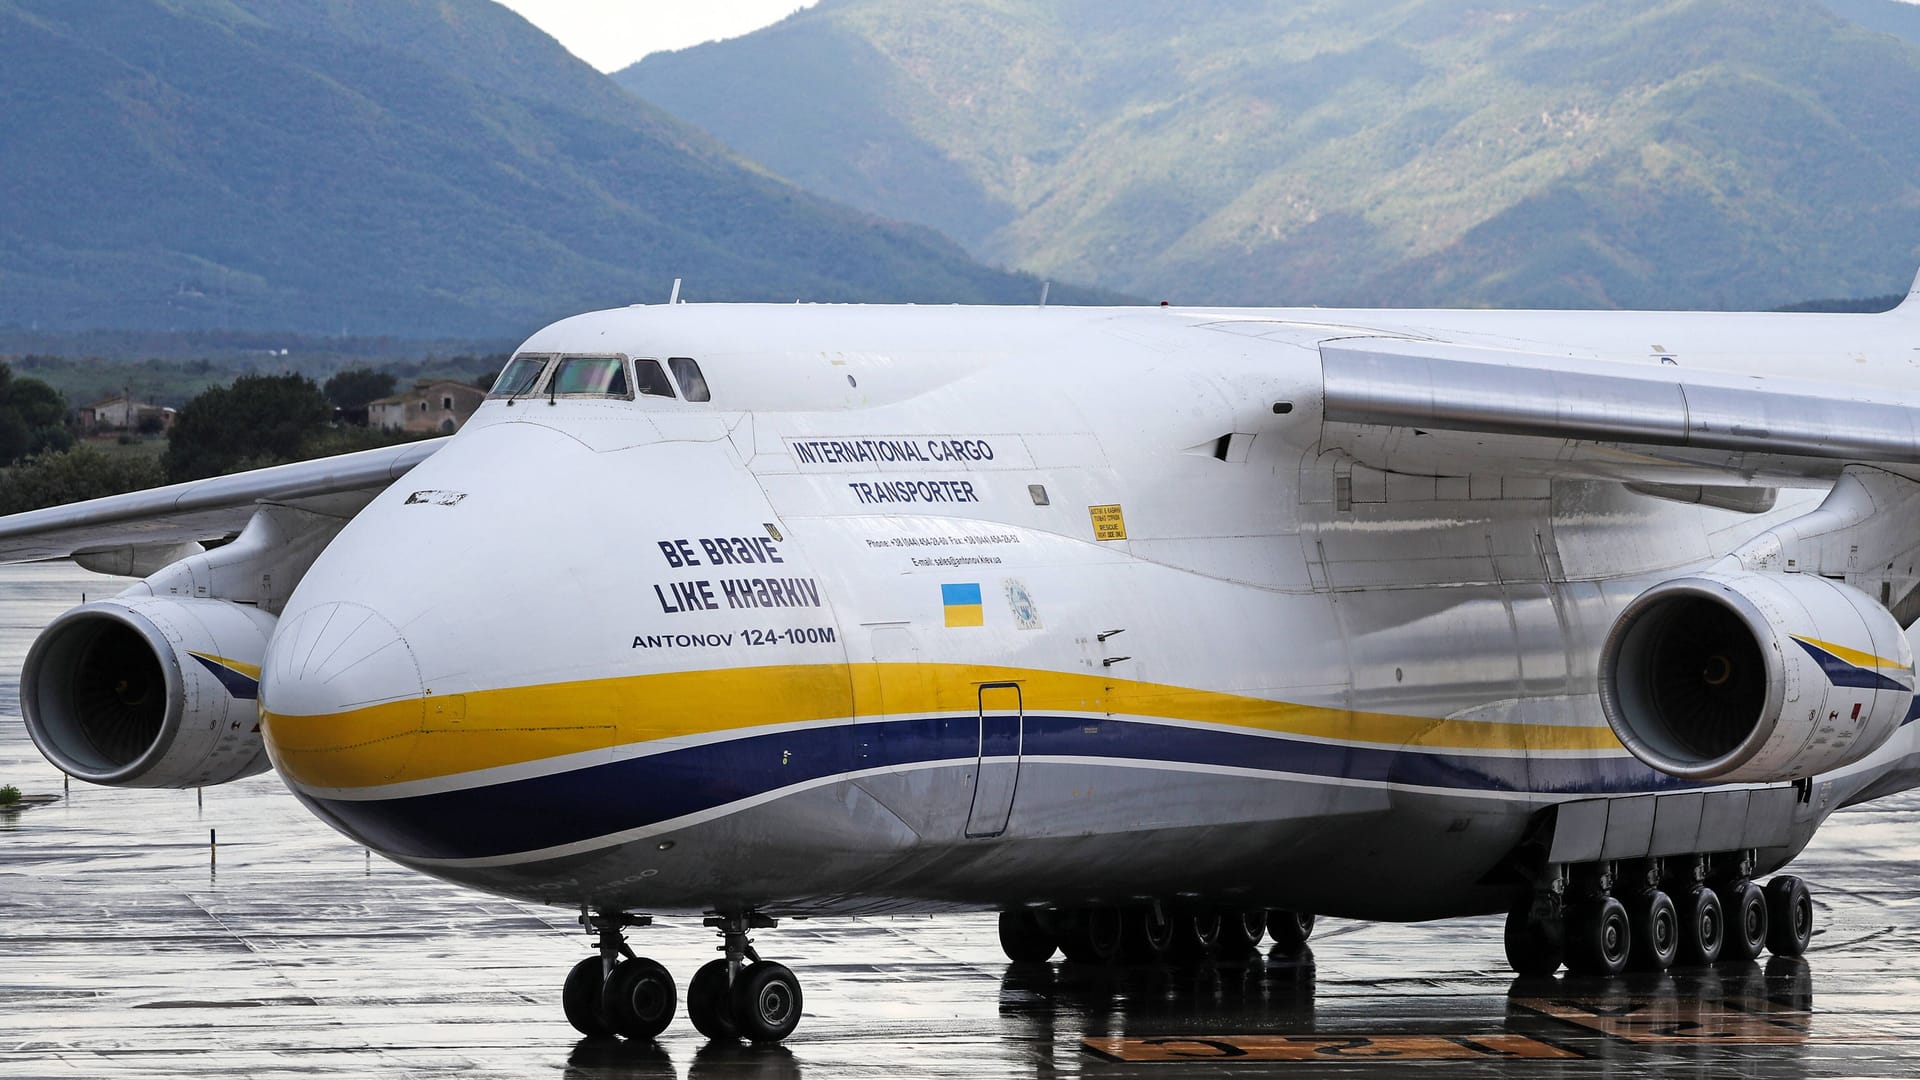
column 1897, row 17
column 412, row 167
column 1656, row 153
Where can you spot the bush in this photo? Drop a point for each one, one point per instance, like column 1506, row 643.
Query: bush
column 355, row 387
column 33, row 417
column 259, row 420
column 83, row 472
column 9, row 795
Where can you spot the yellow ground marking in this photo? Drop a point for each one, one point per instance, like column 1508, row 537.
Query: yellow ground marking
column 1682, row 1019
column 1323, row 1048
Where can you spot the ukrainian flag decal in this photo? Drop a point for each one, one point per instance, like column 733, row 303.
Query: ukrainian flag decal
column 963, row 604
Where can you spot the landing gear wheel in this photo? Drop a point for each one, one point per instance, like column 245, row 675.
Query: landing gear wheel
column 1024, row 938
column 1703, row 927
column 638, row 999
column 1656, row 931
column 1536, row 944
column 1147, row 935
column 1240, row 931
column 1599, row 938
column 1094, row 936
column 1789, row 915
column 580, row 998
column 766, row 1002
column 1746, row 908
column 1289, row 930
column 710, row 1002
column 1193, row 935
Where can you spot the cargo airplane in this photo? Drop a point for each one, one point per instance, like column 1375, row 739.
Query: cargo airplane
column 1156, row 630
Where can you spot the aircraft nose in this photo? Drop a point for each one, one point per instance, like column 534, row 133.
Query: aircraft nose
column 341, row 698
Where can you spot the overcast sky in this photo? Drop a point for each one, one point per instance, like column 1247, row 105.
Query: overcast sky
column 610, row 34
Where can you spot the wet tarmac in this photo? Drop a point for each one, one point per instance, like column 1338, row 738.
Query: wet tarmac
column 130, row 947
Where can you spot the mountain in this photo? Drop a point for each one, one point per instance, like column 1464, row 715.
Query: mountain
column 1901, row 18
column 411, row 167
column 1640, row 153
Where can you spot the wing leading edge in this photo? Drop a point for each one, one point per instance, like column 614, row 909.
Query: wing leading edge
column 1396, row 382
column 204, row 509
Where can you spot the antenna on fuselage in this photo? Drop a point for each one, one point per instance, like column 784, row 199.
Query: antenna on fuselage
column 1044, row 286
column 674, row 298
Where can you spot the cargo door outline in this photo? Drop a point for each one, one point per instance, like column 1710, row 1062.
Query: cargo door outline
column 996, row 773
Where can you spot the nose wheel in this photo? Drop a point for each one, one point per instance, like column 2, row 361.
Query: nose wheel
column 741, row 996
column 615, row 992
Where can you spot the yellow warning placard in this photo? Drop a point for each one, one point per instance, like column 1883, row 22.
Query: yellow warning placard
column 1191, row 1048
column 1107, row 522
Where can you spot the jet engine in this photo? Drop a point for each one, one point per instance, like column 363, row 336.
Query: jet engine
column 1754, row 677
column 149, row 691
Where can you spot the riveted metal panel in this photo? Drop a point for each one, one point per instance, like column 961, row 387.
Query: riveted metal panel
column 1676, row 823
column 1579, row 831
column 1629, row 828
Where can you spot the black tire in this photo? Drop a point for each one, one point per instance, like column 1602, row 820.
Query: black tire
column 1703, row 927
column 1024, row 939
column 1599, row 938
column 710, row 1002
column 766, row 1002
column 1204, row 924
column 1536, row 946
column 1240, row 931
column 639, row 999
column 1093, row 936
column 1656, row 931
column 580, row 998
column 1193, row 935
column 1789, row 916
column 1145, row 939
column 1289, row 930
column 1746, row 910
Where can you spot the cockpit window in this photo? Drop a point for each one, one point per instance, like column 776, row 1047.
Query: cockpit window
column 692, row 383
column 519, row 376
column 652, row 380
column 595, row 376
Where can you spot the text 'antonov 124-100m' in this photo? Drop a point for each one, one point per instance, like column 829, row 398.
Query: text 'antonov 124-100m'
column 1157, row 630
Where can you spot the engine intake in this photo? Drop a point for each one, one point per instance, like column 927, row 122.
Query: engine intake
column 1754, row 677
column 149, row 691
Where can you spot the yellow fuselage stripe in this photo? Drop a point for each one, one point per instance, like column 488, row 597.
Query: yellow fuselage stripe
column 442, row 735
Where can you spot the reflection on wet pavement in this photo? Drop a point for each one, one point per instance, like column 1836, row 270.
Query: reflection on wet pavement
column 128, row 950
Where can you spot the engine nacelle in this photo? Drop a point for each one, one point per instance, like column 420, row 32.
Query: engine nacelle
column 149, row 691
column 1749, row 677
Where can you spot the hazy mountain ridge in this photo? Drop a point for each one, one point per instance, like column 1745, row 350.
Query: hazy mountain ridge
column 1573, row 152
column 408, row 166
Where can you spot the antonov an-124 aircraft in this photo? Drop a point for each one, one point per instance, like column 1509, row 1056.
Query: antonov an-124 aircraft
column 1157, row 630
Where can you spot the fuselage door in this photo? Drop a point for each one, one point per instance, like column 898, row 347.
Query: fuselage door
column 1002, row 727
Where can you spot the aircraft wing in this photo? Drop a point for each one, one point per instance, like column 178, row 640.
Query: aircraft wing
column 1741, row 425
column 206, row 509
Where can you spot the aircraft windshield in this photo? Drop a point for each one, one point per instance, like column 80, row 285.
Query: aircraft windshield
column 604, row 376
column 519, row 376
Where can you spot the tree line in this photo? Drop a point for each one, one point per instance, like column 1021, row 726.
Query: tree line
column 251, row 423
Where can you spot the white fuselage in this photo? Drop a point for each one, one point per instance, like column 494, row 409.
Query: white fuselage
column 933, row 607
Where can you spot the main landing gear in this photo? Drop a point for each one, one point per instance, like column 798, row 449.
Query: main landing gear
column 1653, row 914
column 737, row 996
column 1152, row 933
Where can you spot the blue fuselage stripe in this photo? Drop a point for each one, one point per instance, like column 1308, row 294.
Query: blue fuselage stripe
column 548, row 811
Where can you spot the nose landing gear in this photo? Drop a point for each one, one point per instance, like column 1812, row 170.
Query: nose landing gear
column 732, row 998
column 739, row 996
column 616, row 992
